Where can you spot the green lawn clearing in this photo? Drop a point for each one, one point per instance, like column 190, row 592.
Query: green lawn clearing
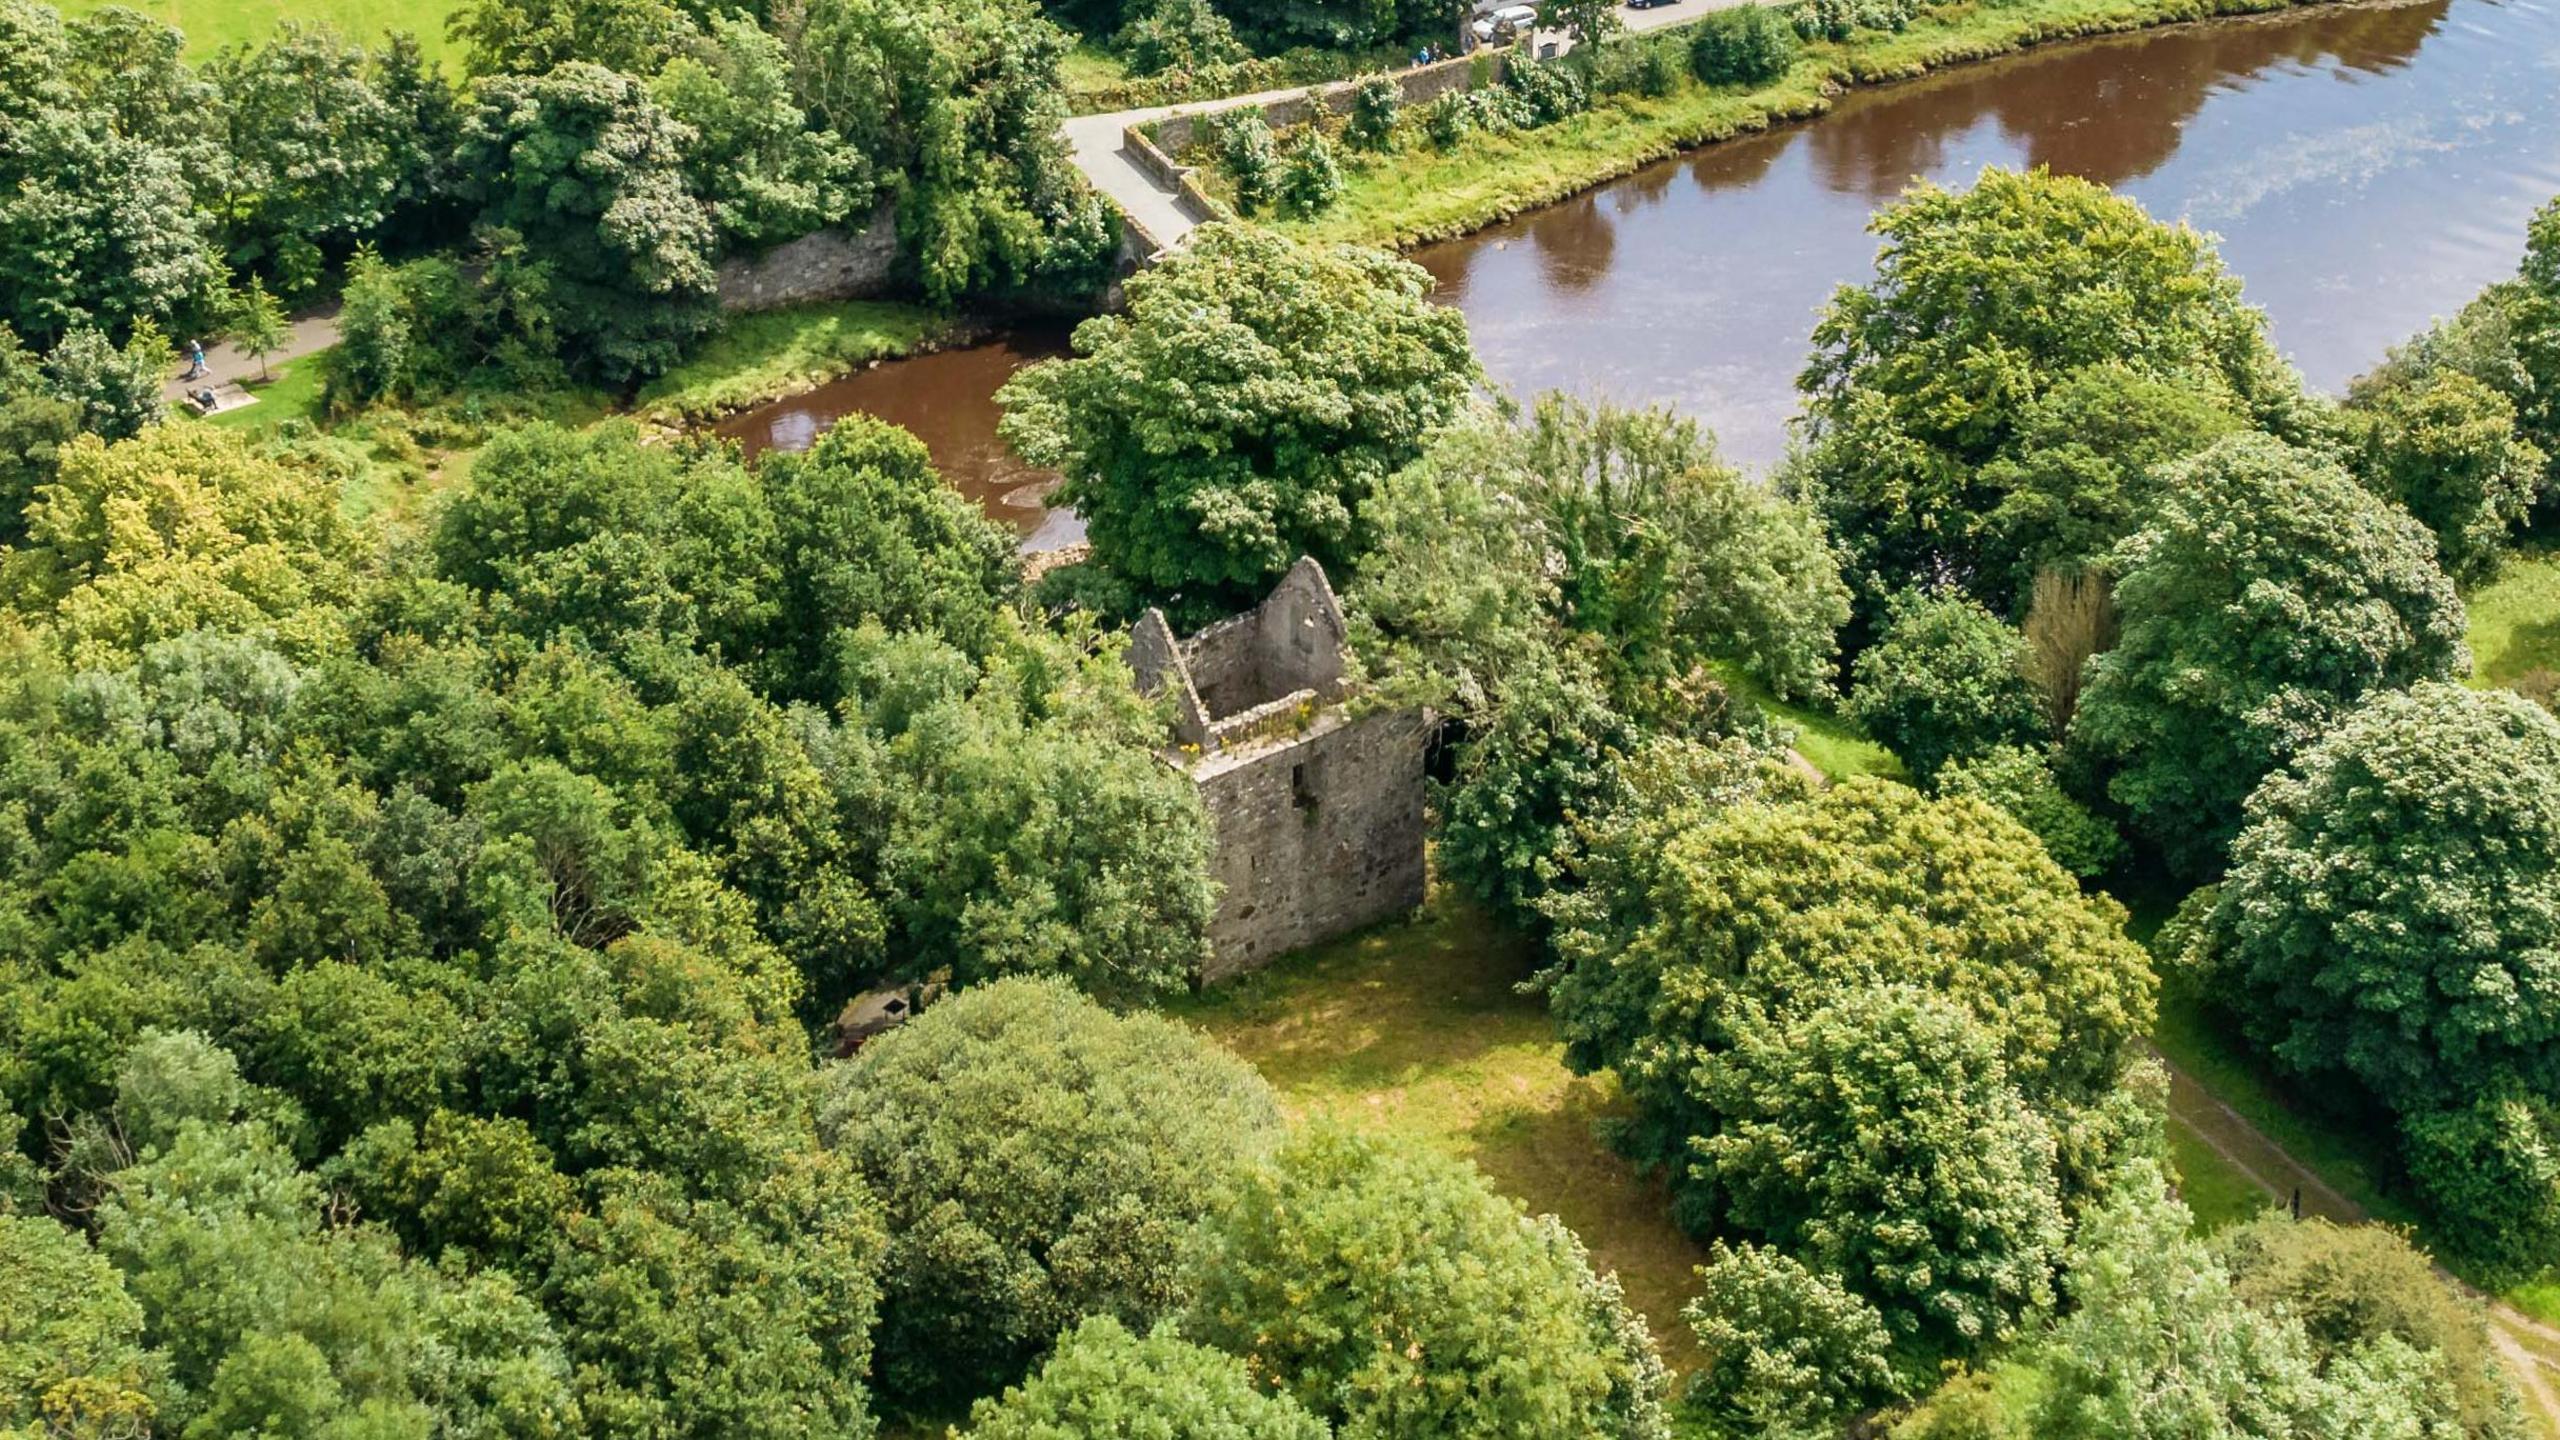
column 292, row 394
column 209, row 28
column 2515, row 619
column 761, row 357
column 1419, row 1031
column 1835, row 746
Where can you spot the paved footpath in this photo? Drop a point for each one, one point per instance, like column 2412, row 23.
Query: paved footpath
column 2530, row 1348
column 1094, row 140
column 226, row 365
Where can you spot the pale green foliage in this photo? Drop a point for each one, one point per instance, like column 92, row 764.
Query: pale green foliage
column 179, row 528
column 1375, row 103
column 2352, row 1286
column 1038, row 1160
column 1984, row 301
column 1240, row 412
column 1393, row 1293
column 1311, row 181
column 1790, row 1353
column 1945, row 681
column 116, row 389
column 65, row 1319
column 2160, row 1347
column 1103, row 1383
column 2267, row 595
column 264, row 1314
column 2449, row 452
column 2021, row 782
column 1251, row 158
column 1560, row 585
column 257, row 323
column 170, row 1077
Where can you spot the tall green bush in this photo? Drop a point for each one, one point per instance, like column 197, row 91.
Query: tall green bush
column 1375, row 103
column 1746, row 45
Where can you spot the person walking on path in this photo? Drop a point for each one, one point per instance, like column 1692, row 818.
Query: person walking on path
column 195, row 360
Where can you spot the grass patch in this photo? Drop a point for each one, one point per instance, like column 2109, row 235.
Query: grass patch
column 2200, row 1040
column 1835, row 746
column 761, row 357
column 293, row 394
column 2515, row 619
column 1419, row 1032
column 2216, row 1192
column 209, row 28
column 1416, row 194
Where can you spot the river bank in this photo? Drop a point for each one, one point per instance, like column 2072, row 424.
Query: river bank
column 1416, row 195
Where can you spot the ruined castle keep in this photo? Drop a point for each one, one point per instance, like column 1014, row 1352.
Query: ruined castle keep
column 1317, row 811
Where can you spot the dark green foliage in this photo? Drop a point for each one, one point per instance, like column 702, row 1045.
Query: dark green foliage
column 766, row 173
column 1393, row 1293
column 1239, row 413
column 315, row 157
column 1039, row 1160
column 2383, row 910
column 2270, row 593
column 1944, row 681
column 589, row 171
column 1746, row 45
column 1104, row 1383
column 962, row 100
column 1178, row 35
column 1985, row 301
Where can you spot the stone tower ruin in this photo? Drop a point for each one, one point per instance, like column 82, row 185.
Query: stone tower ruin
column 1317, row 810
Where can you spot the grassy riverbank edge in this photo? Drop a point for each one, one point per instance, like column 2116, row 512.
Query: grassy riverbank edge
column 1416, row 195
column 765, row 356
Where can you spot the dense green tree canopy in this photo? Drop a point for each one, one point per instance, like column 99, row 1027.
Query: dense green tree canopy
column 1242, row 410
column 2267, row 595
column 1039, row 1160
column 1104, row 1383
column 1944, row 681
column 589, row 171
column 1393, row 1293
column 1790, row 1353
column 2449, row 452
column 1926, row 397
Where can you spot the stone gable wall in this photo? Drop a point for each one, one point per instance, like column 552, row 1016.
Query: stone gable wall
column 1316, row 838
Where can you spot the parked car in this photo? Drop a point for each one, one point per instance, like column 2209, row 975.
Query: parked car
column 1649, row 4
column 1509, row 20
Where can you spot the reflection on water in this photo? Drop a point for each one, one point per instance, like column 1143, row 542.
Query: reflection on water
column 2367, row 169
column 947, row 400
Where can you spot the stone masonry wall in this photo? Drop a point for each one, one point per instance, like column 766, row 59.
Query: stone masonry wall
column 1316, row 837
column 822, row 265
column 1176, row 134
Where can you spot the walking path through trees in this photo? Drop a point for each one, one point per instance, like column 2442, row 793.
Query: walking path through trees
column 1096, row 140
column 227, row 365
column 2530, row 1348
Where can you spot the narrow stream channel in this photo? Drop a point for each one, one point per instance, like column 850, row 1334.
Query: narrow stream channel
column 2366, row 167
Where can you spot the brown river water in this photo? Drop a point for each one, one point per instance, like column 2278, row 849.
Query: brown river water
column 2367, row 168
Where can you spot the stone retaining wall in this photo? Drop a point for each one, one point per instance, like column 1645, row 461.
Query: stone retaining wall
column 1176, row 134
column 822, row 265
